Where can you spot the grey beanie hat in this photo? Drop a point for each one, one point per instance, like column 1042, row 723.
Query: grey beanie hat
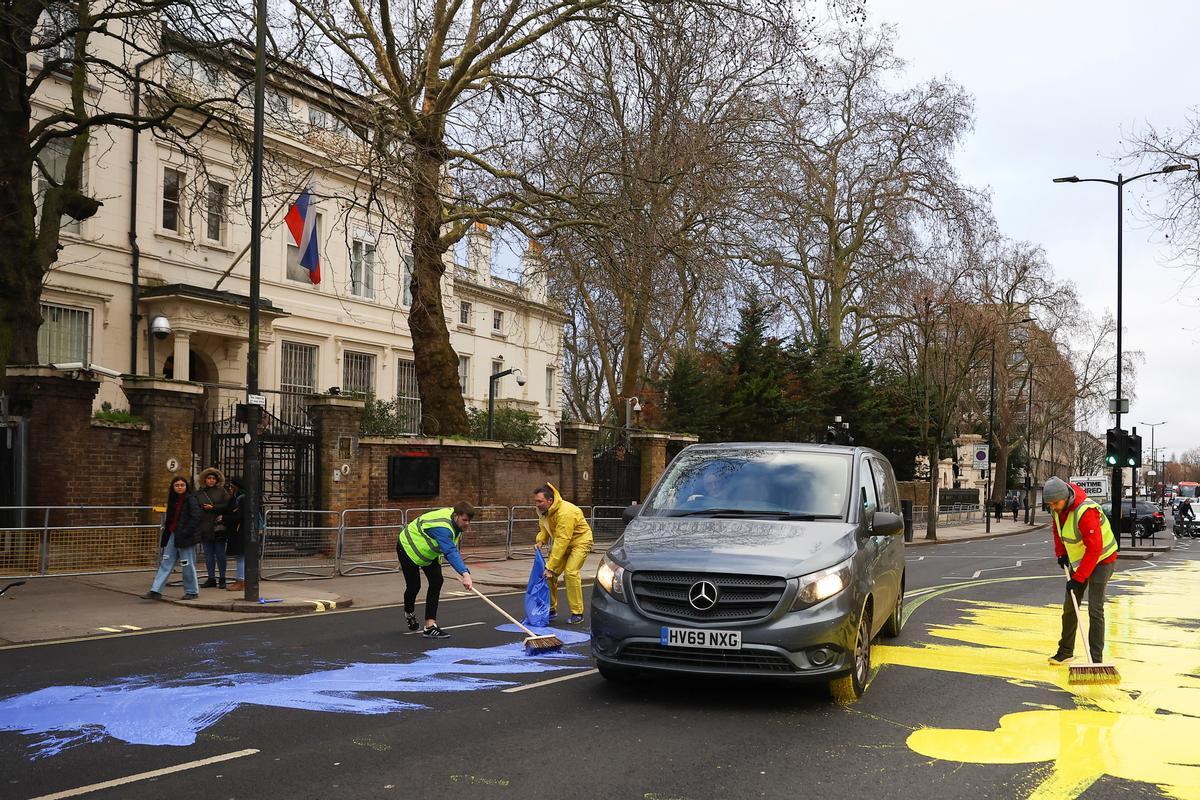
column 1056, row 489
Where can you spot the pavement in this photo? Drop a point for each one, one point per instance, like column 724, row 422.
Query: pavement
column 346, row 703
column 97, row 605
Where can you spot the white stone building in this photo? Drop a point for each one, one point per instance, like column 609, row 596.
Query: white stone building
column 176, row 222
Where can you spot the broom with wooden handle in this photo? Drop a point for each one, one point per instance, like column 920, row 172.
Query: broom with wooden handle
column 534, row 644
column 1089, row 673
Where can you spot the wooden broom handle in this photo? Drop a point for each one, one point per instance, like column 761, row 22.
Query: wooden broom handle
column 510, row 617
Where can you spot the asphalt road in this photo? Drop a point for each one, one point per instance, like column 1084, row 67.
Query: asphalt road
column 345, row 704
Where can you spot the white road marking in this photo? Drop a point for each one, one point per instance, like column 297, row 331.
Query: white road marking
column 572, row 677
column 131, row 627
column 142, row 776
column 109, row 630
column 445, row 628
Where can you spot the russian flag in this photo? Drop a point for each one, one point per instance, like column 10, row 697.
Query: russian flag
column 301, row 220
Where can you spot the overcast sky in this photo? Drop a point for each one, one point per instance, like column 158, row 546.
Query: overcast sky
column 1056, row 83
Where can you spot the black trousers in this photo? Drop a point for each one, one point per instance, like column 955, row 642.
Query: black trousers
column 412, row 583
column 1094, row 587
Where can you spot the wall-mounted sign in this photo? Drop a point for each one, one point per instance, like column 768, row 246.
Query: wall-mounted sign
column 172, row 465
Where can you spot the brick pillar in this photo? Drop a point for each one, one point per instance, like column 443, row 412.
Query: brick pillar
column 580, row 437
column 169, row 407
column 337, row 422
column 58, row 406
column 652, row 450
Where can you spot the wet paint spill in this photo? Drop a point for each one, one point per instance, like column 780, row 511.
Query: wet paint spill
column 152, row 711
column 1143, row 730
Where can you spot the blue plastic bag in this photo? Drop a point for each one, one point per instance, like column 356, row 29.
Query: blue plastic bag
column 537, row 594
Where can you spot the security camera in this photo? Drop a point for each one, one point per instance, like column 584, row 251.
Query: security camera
column 637, row 406
column 520, row 376
column 160, row 326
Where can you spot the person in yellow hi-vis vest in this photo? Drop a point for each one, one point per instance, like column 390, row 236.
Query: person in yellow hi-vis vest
column 564, row 526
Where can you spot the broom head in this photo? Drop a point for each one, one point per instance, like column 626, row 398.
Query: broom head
column 536, row 645
column 1093, row 675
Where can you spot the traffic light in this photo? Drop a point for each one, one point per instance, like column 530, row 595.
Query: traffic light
column 1114, row 451
column 1133, row 450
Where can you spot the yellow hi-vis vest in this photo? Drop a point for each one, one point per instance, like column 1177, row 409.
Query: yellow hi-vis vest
column 1073, row 540
column 421, row 546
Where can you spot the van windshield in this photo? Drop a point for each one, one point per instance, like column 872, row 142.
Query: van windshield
column 754, row 482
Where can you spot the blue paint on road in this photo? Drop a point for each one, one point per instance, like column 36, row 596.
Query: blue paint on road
column 155, row 711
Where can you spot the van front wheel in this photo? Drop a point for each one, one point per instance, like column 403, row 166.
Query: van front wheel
column 850, row 687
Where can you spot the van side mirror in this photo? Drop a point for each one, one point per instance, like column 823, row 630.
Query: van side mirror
column 629, row 513
column 887, row 524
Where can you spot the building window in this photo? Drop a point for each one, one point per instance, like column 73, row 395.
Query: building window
column 326, row 121
column 296, row 272
column 218, row 199
column 58, row 32
column 550, row 387
column 54, row 171
column 278, row 103
column 183, row 69
column 498, row 320
column 362, row 268
column 464, row 313
column 497, row 366
column 65, row 336
column 464, row 374
column 358, row 373
column 172, row 197
column 298, row 378
column 408, row 395
column 406, row 274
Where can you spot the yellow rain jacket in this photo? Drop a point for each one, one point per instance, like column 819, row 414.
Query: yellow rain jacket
column 566, row 527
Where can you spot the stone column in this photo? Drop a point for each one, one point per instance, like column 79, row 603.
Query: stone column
column 169, row 407
column 58, row 406
column 183, row 346
column 580, row 437
column 337, row 423
column 652, row 449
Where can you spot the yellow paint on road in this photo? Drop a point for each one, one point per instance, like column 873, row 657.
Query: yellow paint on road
column 1143, row 730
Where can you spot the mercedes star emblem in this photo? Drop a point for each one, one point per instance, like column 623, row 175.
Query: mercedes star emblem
column 702, row 595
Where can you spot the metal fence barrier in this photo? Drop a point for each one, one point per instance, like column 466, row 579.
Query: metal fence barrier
column 78, row 540
column 300, row 544
column 607, row 524
column 367, row 540
column 522, row 531
column 951, row 514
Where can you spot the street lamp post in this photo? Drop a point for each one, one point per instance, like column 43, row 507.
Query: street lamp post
column 1120, row 184
column 1152, row 426
column 987, row 515
column 632, row 406
column 515, row 372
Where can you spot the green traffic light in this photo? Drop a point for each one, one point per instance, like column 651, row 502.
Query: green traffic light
column 1112, row 461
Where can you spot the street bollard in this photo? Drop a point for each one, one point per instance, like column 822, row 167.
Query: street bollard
column 906, row 511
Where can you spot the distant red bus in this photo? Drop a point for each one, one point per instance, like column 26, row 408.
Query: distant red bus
column 1188, row 489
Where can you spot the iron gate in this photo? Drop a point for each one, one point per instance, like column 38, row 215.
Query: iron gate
column 616, row 469
column 14, row 439
column 288, row 456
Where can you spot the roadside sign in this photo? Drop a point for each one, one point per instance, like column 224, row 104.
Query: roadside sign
column 257, row 400
column 1112, row 405
column 981, row 456
column 1095, row 485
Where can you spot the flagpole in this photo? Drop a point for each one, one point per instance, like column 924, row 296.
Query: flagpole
column 253, row 409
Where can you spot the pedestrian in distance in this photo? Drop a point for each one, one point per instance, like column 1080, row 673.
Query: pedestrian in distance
column 564, row 526
column 1014, row 505
column 178, row 538
column 1084, row 543
column 420, row 547
column 235, row 540
column 214, row 499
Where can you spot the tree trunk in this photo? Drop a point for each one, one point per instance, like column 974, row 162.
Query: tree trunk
column 443, row 411
column 1000, row 475
column 932, row 514
column 21, row 269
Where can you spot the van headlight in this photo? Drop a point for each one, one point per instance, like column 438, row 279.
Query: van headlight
column 822, row 585
column 611, row 576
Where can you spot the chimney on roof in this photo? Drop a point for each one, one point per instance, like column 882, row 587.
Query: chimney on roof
column 533, row 272
column 479, row 252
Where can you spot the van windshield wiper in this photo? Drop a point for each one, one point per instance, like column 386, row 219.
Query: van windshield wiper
column 750, row 512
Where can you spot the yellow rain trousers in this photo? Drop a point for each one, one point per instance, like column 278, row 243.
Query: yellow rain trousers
column 565, row 526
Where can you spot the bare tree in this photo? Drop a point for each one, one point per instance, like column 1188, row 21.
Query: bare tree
column 854, row 178
column 1177, row 214
column 651, row 134
column 64, row 66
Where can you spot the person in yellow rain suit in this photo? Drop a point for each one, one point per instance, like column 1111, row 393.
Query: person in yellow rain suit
column 564, row 526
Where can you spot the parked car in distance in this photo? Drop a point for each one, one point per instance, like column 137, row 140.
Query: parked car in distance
column 1149, row 518
column 756, row 559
